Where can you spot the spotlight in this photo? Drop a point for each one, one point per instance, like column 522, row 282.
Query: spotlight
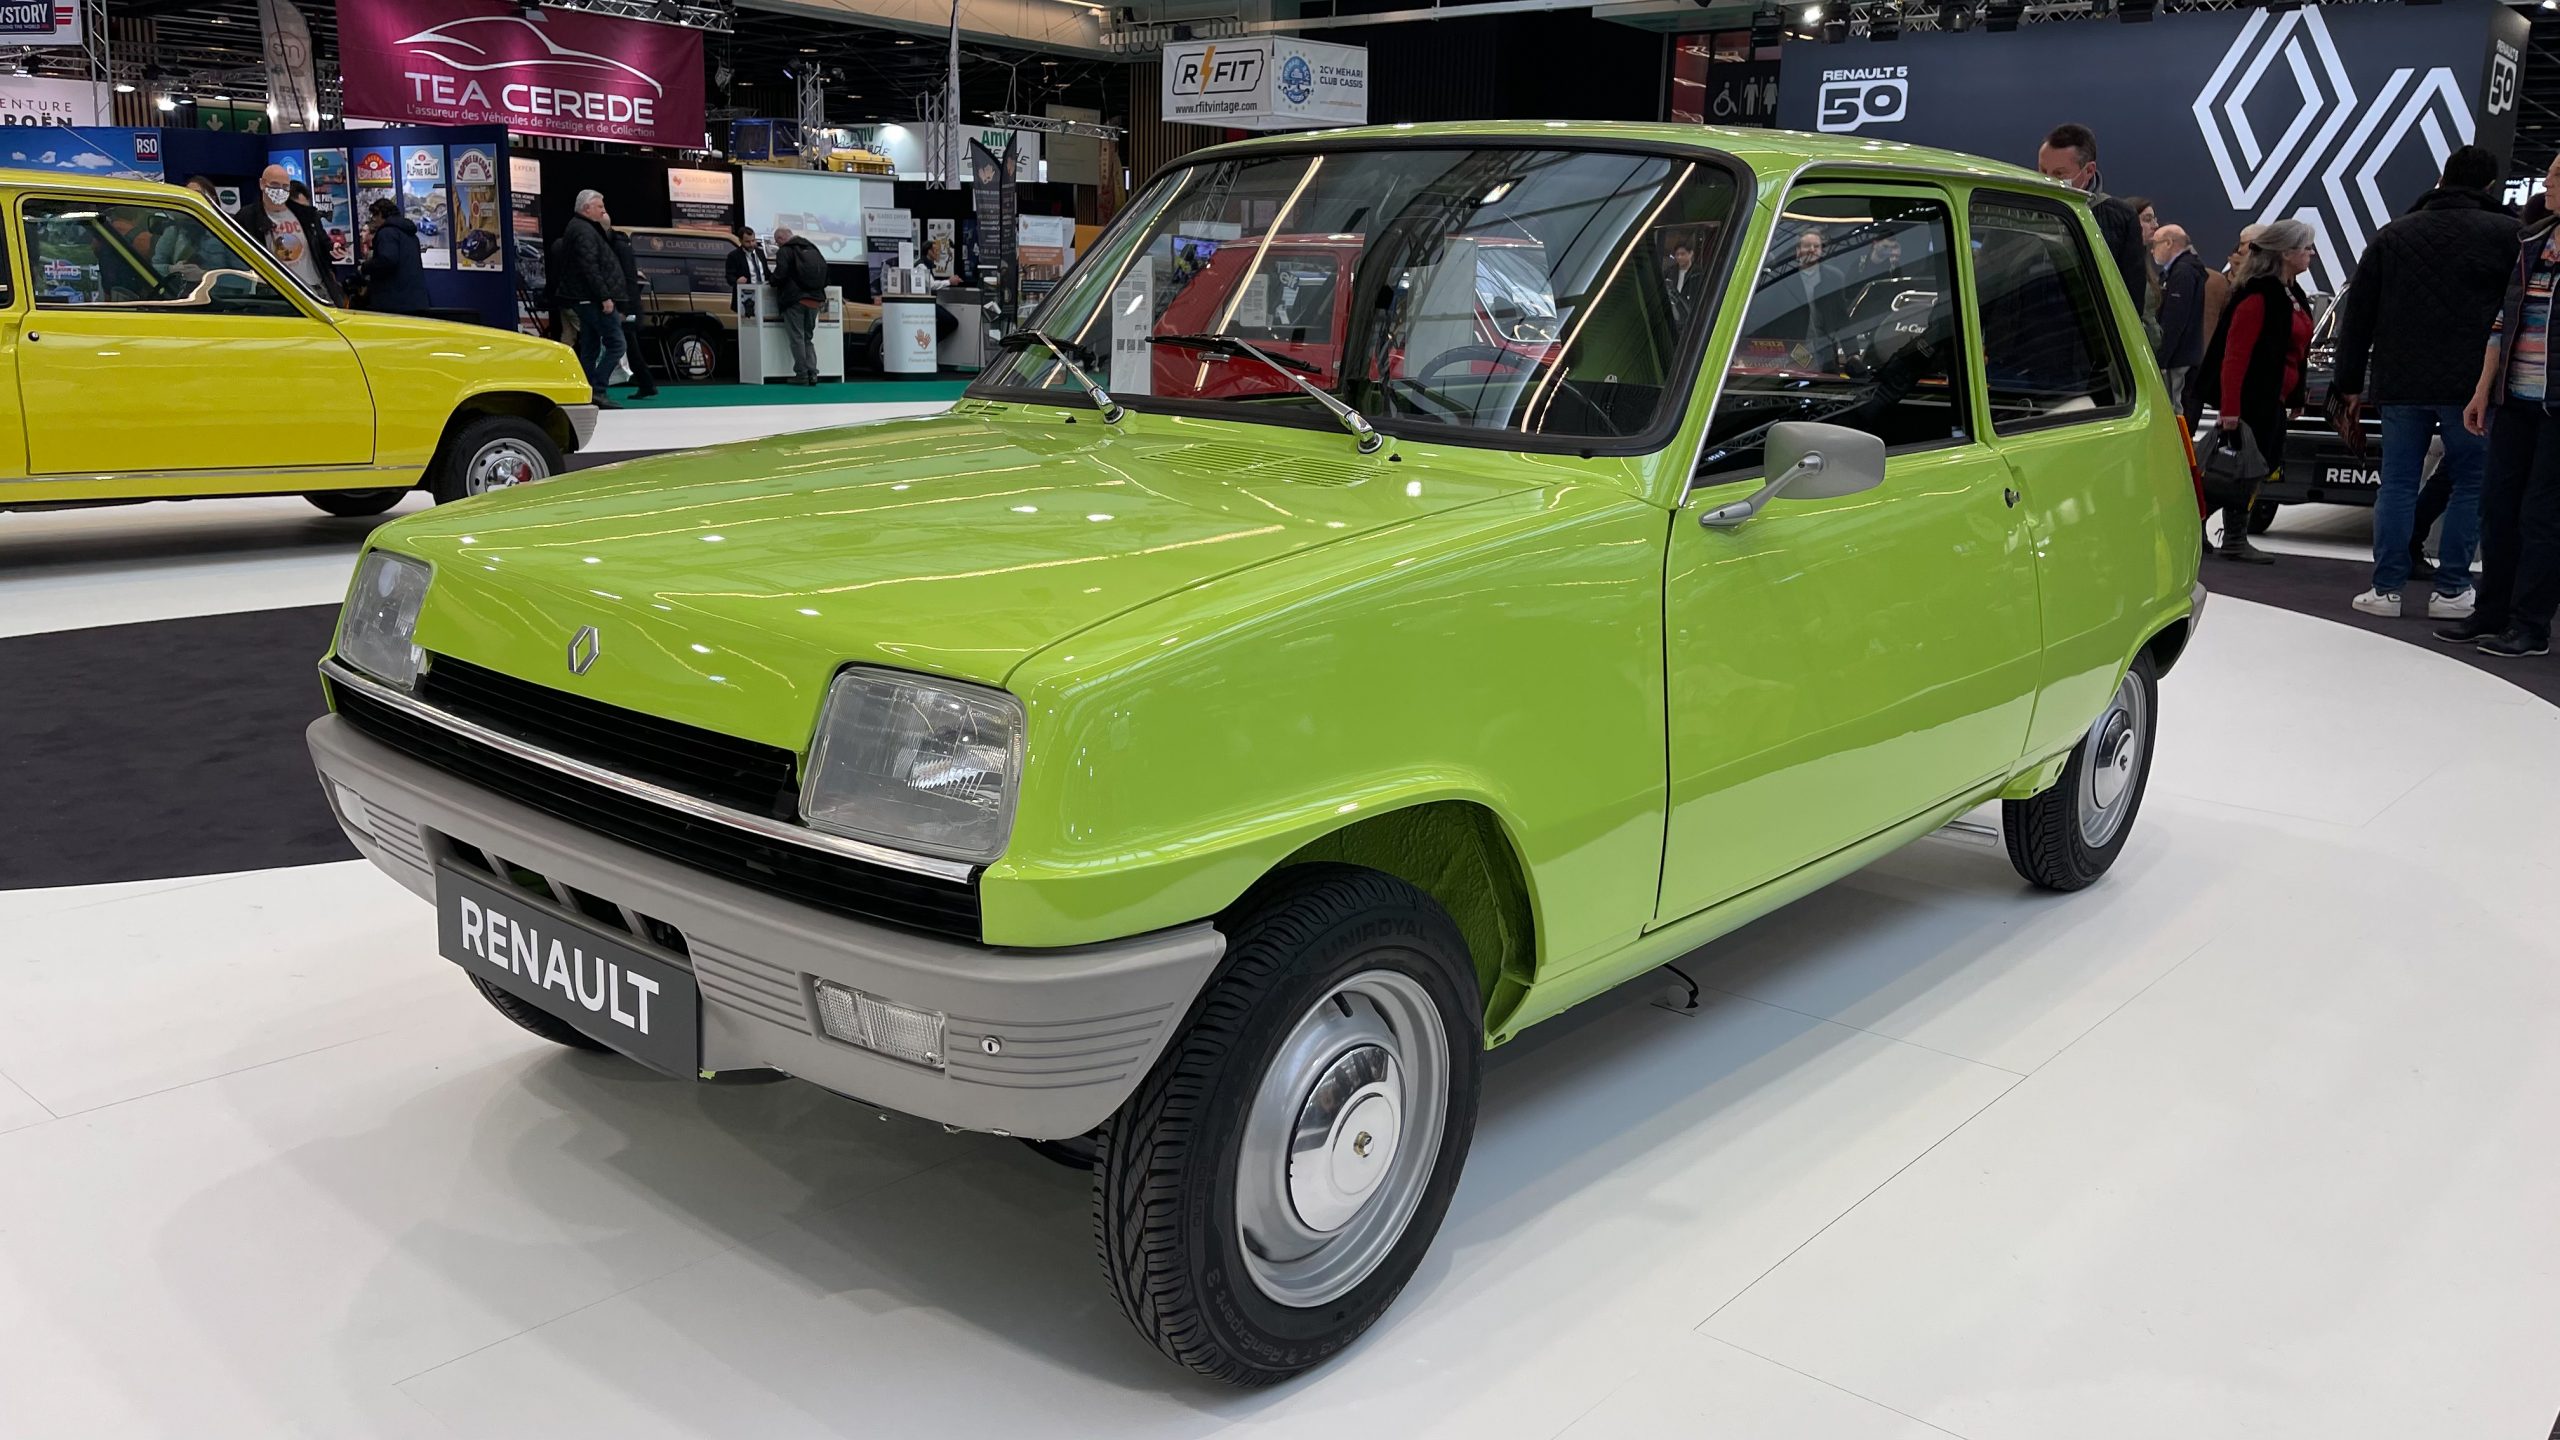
column 1813, row 14
column 2135, row 12
column 1955, row 15
column 2002, row 16
column 23, row 67
column 165, row 103
column 1836, row 31
column 124, row 87
column 1884, row 22
column 1768, row 25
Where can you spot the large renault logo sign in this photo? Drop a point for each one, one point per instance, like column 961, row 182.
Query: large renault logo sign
column 2323, row 161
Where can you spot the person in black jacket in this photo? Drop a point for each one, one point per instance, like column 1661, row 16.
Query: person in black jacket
column 2070, row 155
column 634, row 285
column 800, row 288
column 2182, row 290
column 2425, row 296
column 394, row 281
column 746, row 264
column 293, row 234
column 587, row 276
column 2255, row 366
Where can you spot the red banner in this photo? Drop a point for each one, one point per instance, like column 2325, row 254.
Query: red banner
column 560, row 72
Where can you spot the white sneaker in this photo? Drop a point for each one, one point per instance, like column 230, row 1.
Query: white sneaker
column 2373, row 602
column 2453, row 607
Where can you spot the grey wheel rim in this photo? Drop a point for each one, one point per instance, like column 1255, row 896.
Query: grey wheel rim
column 501, row 463
column 2110, row 763
column 1342, row 1136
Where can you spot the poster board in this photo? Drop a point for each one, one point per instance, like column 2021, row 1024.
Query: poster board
column 702, row 199
column 479, row 235
column 333, row 195
column 423, row 198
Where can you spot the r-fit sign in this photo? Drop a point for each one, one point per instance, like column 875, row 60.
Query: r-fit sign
column 1266, row 84
column 552, row 72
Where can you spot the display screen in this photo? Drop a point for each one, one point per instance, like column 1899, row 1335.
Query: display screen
column 826, row 208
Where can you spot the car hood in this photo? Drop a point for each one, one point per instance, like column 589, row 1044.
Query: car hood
column 728, row 585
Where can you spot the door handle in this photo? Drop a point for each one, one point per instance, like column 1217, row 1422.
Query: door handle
column 34, row 335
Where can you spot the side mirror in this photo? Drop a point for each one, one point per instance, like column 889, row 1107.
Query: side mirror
column 1809, row 461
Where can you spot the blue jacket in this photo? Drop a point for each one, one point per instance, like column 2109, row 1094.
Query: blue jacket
column 396, row 281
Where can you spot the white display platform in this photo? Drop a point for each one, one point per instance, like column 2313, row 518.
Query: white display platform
column 764, row 347
column 2255, row 1137
column 908, row 324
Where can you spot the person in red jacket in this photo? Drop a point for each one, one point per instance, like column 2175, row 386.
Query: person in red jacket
column 2254, row 366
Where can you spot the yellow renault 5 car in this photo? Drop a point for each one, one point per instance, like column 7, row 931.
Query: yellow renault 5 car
column 150, row 350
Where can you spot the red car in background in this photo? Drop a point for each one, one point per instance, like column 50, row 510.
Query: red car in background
column 1290, row 295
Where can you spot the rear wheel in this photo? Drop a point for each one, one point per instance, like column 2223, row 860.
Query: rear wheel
column 352, row 503
column 2065, row 838
column 493, row 452
column 2262, row 515
column 1274, row 1182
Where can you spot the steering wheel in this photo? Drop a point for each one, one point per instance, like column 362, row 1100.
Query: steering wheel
column 1469, row 354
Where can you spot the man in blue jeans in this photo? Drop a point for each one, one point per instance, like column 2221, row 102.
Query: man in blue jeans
column 2424, row 298
column 587, row 275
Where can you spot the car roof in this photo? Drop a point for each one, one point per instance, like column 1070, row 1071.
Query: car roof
column 1769, row 153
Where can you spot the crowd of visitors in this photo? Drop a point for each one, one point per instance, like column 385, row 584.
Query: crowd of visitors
column 2443, row 336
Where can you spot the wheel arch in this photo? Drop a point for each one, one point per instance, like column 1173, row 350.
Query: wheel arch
column 2168, row 643
column 1460, row 854
column 542, row 410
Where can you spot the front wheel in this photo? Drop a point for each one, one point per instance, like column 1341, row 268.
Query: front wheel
column 1274, row 1182
column 2065, row 838
column 493, row 452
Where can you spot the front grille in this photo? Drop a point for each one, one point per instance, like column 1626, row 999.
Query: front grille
column 829, row 882
column 723, row 769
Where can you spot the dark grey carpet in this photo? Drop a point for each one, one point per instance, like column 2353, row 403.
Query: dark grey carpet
column 2322, row 588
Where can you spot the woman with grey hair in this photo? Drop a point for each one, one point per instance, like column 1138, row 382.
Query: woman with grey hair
column 2254, row 367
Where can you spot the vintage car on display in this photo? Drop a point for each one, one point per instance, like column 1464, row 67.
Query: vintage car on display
column 689, row 314
column 1195, row 778
column 161, row 354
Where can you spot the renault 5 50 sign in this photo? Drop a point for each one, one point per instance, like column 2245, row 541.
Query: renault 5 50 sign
column 1266, row 84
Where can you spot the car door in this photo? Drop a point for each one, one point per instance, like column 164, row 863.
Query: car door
column 2077, row 433
column 153, row 346
column 1837, row 666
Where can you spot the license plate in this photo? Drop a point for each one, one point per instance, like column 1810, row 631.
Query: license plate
column 597, row 981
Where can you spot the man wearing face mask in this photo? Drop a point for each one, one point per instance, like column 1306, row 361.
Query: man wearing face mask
column 293, row 234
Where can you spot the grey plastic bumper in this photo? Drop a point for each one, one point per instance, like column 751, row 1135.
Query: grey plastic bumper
column 582, row 423
column 1072, row 1031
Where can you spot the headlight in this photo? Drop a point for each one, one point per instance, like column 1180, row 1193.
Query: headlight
column 382, row 615
column 925, row 765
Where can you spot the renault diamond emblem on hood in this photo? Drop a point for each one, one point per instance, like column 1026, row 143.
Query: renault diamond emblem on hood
column 584, row 648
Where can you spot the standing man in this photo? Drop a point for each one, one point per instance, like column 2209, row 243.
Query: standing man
column 586, row 275
column 2070, row 155
column 2183, row 280
column 800, row 288
column 292, row 232
column 1681, row 280
column 2425, row 297
column 635, row 285
column 746, row 263
column 2520, row 499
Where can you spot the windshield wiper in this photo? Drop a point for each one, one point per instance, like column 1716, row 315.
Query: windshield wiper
column 1066, row 351
column 1293, row 371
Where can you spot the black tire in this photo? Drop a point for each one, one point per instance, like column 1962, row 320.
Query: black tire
column 1166, row 1178
column 2262, row 515
column 2048, row 834
column 352, row 504
column 693, row 351
column 471, row 440
column 550, row 1027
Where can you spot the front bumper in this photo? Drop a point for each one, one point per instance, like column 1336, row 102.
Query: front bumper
column 582, row 423
column 1042, row 1044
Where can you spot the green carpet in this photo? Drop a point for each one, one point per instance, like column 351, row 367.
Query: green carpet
column 857, row 392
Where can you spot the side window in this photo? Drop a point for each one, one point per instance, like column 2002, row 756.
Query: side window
column 2048, row 339
column 1853, row 322
column 87, row 253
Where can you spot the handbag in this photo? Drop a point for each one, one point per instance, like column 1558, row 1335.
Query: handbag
column 2232, row 468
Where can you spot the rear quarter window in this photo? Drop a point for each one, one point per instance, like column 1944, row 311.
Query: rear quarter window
column 2050, row 352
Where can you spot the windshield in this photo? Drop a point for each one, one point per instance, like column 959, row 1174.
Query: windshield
column 1544, row 293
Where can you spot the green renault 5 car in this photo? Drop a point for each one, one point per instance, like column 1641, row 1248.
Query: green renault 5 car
column 1194, row 749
